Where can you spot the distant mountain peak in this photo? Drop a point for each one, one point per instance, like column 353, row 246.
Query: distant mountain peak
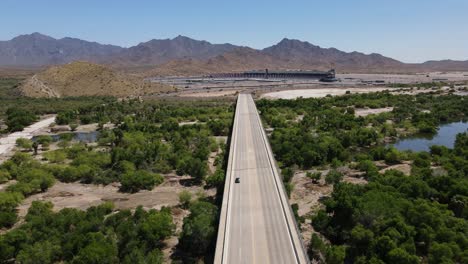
column 181, row 37
column 33, row 36
column 37, row 49
column 159, row 51
column 287, row 43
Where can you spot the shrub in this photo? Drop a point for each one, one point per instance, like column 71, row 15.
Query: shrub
column 315, row 177
column 333, row 177
column 199, row 229
column 44, row 140
column 17, row 119
column 184, row 198
column 24, row 143
column 56, row 156
column 139, row 180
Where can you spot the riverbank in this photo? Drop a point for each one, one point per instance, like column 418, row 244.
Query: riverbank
column 8, row 142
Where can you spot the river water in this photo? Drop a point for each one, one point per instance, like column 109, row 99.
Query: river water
column 445, row 136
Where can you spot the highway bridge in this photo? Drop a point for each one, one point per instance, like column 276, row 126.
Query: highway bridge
column 257, row 224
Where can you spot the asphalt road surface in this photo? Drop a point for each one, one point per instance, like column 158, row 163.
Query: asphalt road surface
column 257, row 224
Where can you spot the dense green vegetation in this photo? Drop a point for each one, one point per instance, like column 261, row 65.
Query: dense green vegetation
column 426, row 85
column 421, row 218
column 398, row 219
column 149, row 139
column 31, row 176
column 199, row 231
column 144, row 145
column 17, row 119
column 97, row 235
column 330, row 132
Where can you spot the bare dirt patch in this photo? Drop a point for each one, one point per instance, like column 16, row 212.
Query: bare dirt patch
column 5, row 185
column 354, row 180
column 404, row 78
column 319, row 92
column 306, row 194
column 83, row 196
column 178, row 215
column 405, row 168
column 87, row 128
column 369, row 111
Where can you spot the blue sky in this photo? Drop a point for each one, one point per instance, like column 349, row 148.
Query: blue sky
column 408, row 30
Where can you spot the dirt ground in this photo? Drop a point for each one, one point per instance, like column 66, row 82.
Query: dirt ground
column 8, row 142
column 368, row 111
column 307, row 195
column 405, row 168
column 319, row 92
column 178, row 215
column 5, row 185
column 82, row 196
column 405, row 78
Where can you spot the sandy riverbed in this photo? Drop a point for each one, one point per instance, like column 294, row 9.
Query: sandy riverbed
column 8, row 142
column 318, row 93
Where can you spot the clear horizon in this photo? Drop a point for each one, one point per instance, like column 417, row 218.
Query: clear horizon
column 411, row 32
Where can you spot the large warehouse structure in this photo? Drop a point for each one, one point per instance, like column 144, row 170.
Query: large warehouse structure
column 266, row 74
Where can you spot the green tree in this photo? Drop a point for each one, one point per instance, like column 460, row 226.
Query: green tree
column 315, row 177
column 24, row 143
column 333, row 177
column 392, row 156
column 317, row 248
column 99, row 250
column 139, row 180
column 184, row 198
column 197, row 169
column 44, row 140
column 17, row 119
column 440, row 253
column 40, row 252
column 399, row 255
column 361, row 240
column 335, row 255
column 199, row 228
column 157, row 226
column 8, row 203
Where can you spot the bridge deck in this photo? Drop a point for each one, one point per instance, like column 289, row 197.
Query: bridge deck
column 257, row 224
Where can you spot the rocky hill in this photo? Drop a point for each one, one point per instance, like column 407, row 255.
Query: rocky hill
column 86, row 79
column 445, row 65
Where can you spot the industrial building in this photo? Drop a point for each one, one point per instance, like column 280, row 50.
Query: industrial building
column 266, row 74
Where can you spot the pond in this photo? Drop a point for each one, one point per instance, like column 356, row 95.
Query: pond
column 86, row 137
column 445, row 136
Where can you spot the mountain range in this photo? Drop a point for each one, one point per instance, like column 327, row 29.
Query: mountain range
column 186, row 56
column 39, row 50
